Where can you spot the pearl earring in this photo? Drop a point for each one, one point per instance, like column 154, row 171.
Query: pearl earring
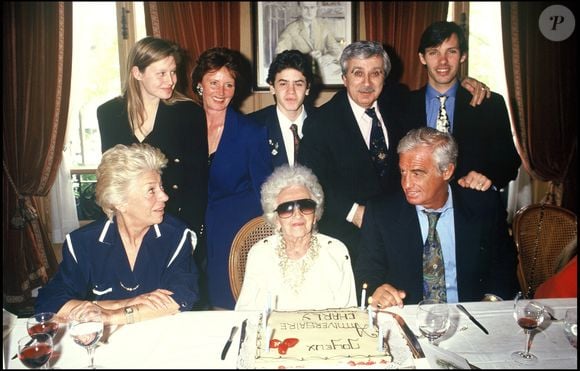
column 199, row 90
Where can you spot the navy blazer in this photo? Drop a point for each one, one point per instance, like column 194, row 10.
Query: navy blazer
column 240, row 165
column 334, row 148
column 392, row 245
column 95, row 266
column 269, row 117
column 180, row 133
column 483, row 135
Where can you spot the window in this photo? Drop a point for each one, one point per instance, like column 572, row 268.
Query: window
column 485, row 56
column 103, row 33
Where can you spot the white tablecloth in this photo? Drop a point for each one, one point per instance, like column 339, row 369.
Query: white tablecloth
column 196, row 339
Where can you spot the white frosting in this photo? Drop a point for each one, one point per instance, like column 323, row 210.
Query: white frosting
column 331, row 338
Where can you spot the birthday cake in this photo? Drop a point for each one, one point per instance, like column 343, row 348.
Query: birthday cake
column 328, row 338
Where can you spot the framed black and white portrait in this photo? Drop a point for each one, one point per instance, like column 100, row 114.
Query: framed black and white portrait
column 319, row 28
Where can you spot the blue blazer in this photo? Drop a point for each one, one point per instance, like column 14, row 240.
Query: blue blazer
column 240, row 165
column 392, row 245
column 269, row 117
column 95, row 267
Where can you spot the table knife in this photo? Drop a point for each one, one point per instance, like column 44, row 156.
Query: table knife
column 410, row 336
column 242, row 335
column 462, row 308
column 229, row 342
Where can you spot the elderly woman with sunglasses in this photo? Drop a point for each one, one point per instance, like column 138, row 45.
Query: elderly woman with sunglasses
column 296, row 268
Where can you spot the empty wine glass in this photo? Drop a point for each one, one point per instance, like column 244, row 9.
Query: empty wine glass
column 43, row 323
column 529, row 315
column 571, row 326
column 85, row 326
column 34, row 352
column 432, row 318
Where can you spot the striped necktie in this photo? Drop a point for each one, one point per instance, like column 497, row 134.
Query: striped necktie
column 294, row 129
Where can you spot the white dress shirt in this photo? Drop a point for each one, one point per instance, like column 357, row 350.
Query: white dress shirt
column 365, row 124
column 287, row 133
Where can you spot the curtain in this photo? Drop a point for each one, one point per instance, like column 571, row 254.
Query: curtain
column 542, row 84
column 399, row 26
column 63, row 211
column 195, row 26
column 37, row 41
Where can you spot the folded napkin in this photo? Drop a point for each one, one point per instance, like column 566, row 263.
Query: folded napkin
column 437, row 358
column 8, row 322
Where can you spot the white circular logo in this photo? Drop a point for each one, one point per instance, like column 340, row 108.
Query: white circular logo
column 557, row 23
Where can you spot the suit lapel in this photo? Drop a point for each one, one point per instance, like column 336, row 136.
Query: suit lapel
column 461, row 113
column 349, row 124
column 276, row 140
column 467, row 238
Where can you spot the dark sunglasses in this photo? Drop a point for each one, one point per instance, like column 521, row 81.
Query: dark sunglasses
column 286, row 209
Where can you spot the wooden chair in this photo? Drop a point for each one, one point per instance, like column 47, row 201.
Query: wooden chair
column 541, row 231
column 252, row 232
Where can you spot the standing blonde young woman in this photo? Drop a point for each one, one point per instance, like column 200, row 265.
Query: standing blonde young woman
column 151, row 111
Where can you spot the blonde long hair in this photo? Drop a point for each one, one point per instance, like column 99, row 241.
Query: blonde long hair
column 145, row 52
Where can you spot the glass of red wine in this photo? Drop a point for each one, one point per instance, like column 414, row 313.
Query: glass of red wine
column 43, row 323
column 529, row 314
column 34, row 352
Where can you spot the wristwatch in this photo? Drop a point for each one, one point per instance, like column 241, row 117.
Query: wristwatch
column 129, row 317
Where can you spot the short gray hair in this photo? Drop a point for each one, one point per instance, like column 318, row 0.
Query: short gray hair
column 444, row 146
column 119, row 168
column 363, row 50
column 283, row 177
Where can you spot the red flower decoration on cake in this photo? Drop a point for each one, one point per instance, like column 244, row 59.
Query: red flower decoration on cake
column 283, row 345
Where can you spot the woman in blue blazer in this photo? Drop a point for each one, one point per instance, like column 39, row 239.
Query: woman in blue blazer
column 239, row 162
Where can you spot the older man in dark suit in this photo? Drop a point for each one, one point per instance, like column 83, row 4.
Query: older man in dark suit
column 337, row 139
column 476, row 254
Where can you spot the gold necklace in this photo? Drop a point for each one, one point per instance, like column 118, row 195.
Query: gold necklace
column 294, row 271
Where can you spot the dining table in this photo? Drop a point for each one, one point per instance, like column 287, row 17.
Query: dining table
column 196, row 339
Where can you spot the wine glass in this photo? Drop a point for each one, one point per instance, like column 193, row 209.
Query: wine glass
column 85, row 326
column 35, row 351
column 42, row 323
column 529, row 315
column 571, row 326
column 432, row 318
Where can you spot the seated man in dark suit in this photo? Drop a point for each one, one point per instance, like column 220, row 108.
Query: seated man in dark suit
column 477, row 253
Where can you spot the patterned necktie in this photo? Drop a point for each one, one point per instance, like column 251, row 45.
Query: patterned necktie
column 433, row 264
column 377, row 144
column 443, row 119
column 294, row 129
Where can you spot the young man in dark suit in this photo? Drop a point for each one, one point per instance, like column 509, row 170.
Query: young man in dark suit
column 488, row 157
column 290, row 77
column 477, row 252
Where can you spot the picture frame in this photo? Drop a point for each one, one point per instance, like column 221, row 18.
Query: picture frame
column 278, row 25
